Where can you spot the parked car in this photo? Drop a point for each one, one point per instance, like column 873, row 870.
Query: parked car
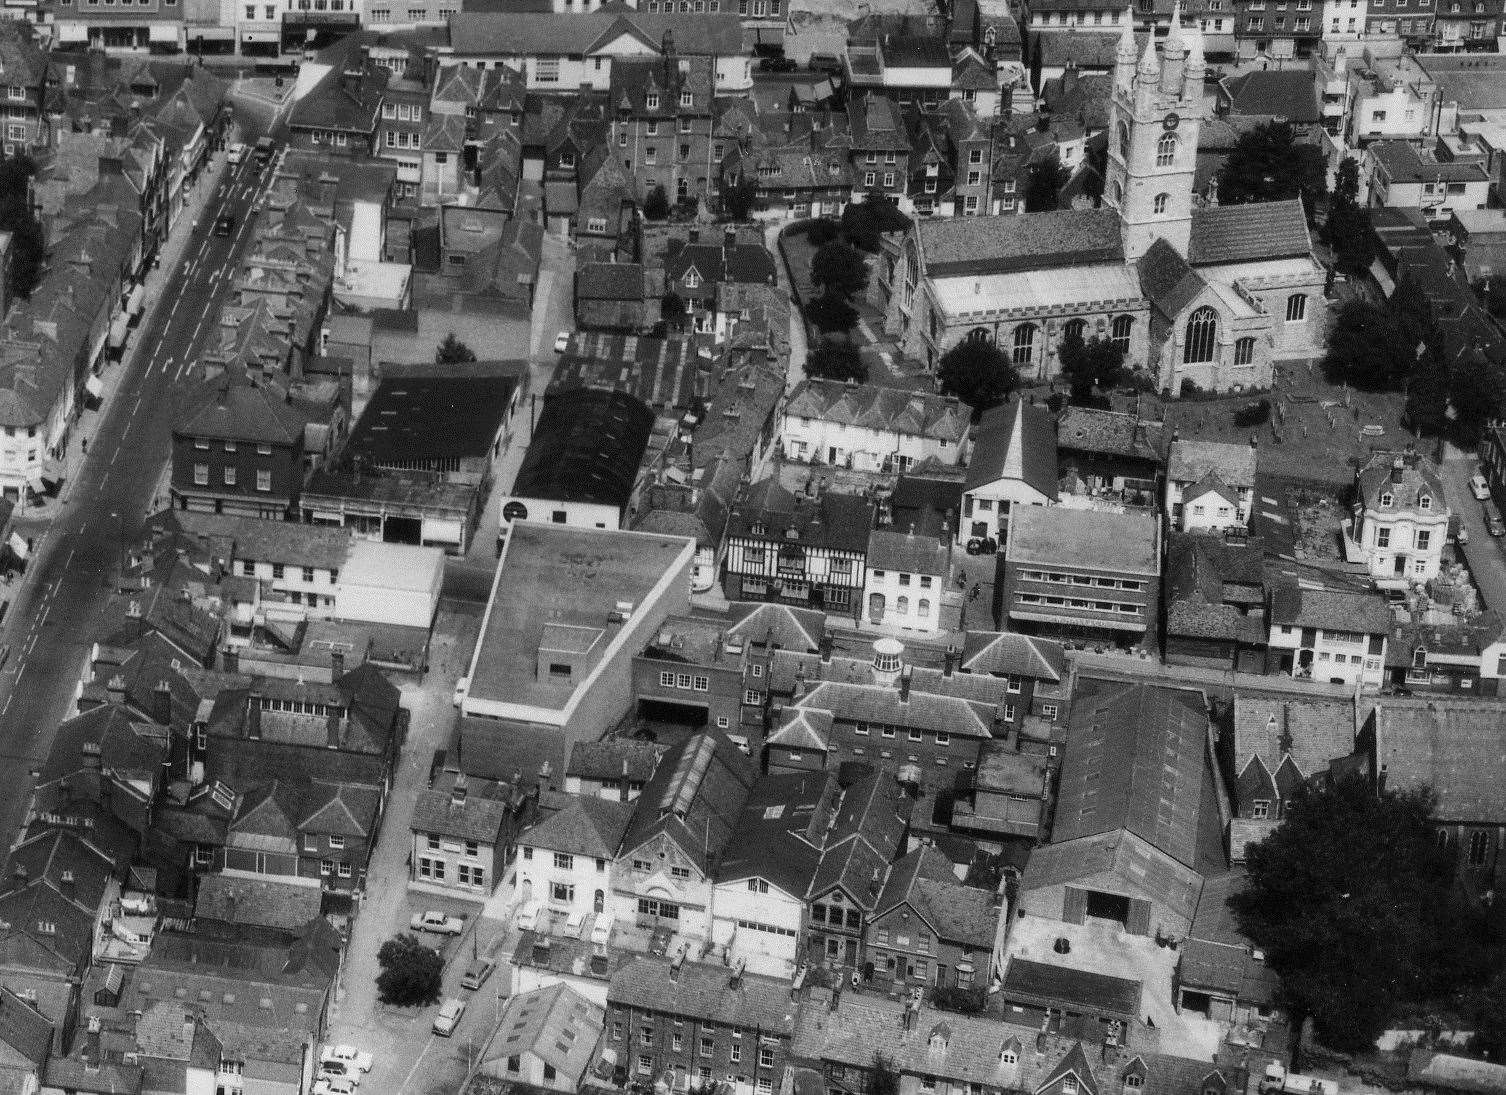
column 266, row 148
column 348, row 1055
column 237, row 153
column 336, row 1085
column 1493, row 523
column 449, row 1016
column 437, row 922
column 1479, row 487
column 562, row 342
column 476, row 973
column 224, row 224
column 332, row 1069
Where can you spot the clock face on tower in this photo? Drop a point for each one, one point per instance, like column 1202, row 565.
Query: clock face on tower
column 1171, row 121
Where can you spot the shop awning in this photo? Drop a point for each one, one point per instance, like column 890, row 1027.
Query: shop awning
column 261, row 36
column 119, row 328
column 1074, row 621
column 72, row 32
column 137, row 300
column 162, row 32
column 18, row 547
column 95, row 387
column 214, row 33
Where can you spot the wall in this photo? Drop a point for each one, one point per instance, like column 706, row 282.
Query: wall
column 776, row 952
column 539, row 870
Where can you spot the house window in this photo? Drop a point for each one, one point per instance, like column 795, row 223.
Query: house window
column 263, row 480
column 1202, row 335
column 1424, row 539
column 201, row 475
column 564, row 861
column 561, row 893
column 1296, row 307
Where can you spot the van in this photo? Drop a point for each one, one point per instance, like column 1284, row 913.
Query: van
column 1493, row 523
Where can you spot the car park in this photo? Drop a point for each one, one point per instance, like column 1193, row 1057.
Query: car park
column 449, row 1017
column 476, row 973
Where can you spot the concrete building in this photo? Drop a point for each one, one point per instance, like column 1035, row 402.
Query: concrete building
column 1403, row 177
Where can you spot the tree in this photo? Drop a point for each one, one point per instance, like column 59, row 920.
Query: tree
column 831, row 314
column 839, row 270
column 1096, row 363
column 866, row 221
column 822, row 231
column 739, row 199
column 1492, row 294
column 1427, row 400
column 978, row 373
column 411, row 972
column 672, row 308
column 453, row 352
column 1046, row 181
column 29, row 247
column 1268, row 164
column 656, row 205
column 1347, row 228
column 883, row 1077
column 1477, row 390
column 1346, row 898
column 1369, row 348
column 836, row 361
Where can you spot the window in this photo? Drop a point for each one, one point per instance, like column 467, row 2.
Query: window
column 1048, row 710
column 1260, row 808
column 680, row 874
column 201, row 475
column 1424, row 538
column 708, row 1047
column 1296, row 307
column 1244, row 351
column 263, row 480
column 1479, row 848
column 561, row 893
column 1387, row 500
column 1158, row 207
column 564, row 861
column 1120, row 331
column 337, row 843
column 1024, row 344
column 1383, row 537
column 472, row 847
column 1166, row 150
column 1202, row 335
column 1424, row 501
column 546, row 70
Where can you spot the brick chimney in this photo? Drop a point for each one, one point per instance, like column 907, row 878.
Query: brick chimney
column 162, row 703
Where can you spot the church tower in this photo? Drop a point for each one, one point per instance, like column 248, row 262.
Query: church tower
column 1154, row 117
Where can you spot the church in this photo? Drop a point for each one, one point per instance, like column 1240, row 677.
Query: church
column 1190, row 290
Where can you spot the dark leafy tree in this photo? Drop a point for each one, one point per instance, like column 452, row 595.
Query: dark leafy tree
column 672, row 308
column 1268, row 163
column 453, row 352
column 1369, row 348
column 740, row 199
column 656, row 205
column 1046, row 181
column 1347, row 229
column 1096, row 363
column 1477, row 390
column 1253, row 414
column 969, row 1001
column 1428, row 400
column 29, row 247
column 411, row 972
column 866, row 221
column 822, row 231
column 839, row 270
column 1490, row 1019
column 1492, row 294
column 978, row 373
column 836, row 361
column 883, row 1077
column 1346, row 897
column 831, row 314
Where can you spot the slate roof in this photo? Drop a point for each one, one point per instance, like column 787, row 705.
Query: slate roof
column 589, row 826
column 1312, row 732
column 223, row 408
column 867, row 832
column 617, row 281
column 1166, row 279
column 605, row 760
column 1134, row 863
column 964, row 246
column 1190, row 461
column 418, row 419
column 556, row 1023
column 1215, row 587
column 1418, row 477
column 782, row 626
column 585, row 448
column 23, row 1028
column 838, row 521
column 481, row 816
column 1453, row 747
column 1287, row 94
column 529, row 34
column 908, row 553
column 777, row 836
column 1110, row 433
column 1016, row 441
column 868, row 406
column 704, row 992
column 1009, row 654
column 924, row 882
column 1083, row 991
column 1227, row 234
column 1135, row 760
column 694, row 798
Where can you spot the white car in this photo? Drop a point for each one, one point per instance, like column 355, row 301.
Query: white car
column 1479, row 487
column 449, row 1017
column 349, row 1056
column 237, row 153
column 437, row 922
column 334, row 1085
column 562, row 342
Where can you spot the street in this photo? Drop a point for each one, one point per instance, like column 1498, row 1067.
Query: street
column 58, row 606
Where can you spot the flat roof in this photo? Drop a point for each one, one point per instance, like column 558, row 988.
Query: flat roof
column 964, row 294
column 1086, row 539
column 392, row 566
column 414, row 419
column 553, row 577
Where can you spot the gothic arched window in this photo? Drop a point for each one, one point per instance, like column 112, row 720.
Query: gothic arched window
column 1202, row 336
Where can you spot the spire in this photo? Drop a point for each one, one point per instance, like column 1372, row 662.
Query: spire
column 1150, row 64
column 1126, row 51
column 1173, row 52
column 1174, row 35
column 1196, row 65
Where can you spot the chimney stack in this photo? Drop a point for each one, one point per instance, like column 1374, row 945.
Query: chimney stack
column 904, row 685
column 950, row 666
column 826, row 645
column 458, row 791
column 623, row 792
column 162, row 704
column 1398, row 467
column 336, row 664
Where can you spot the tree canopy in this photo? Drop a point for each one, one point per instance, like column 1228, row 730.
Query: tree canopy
column 1347, row 228
column 739, row 199
column 839, row 269
column 1268, row 163
column 656, row 205
column 29, row 248
column 453, row 352
column 863, row 222
column 1042, row 191
column 978, row 373
column 831, row 314
column 1097, row 363
column 1349, row 899
column 411, row 972
column 1370, row 347
column 836, row 361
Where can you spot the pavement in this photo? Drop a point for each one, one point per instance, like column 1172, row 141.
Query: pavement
column 798, row 345
column 58, row 602
column 1485, row 554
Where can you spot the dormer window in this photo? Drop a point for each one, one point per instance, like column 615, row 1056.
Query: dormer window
column 1008, row 1057
column 1425, row 501
column 686, row 99
column 792, row 533
column 1387, row 499
column 1069, row 1085
column 1420, row 658
column 1134, row 1082
column 652, row 102
column 692, row 279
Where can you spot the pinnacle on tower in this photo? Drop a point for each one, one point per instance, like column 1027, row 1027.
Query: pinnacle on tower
column 1150, row 64
column 1126, row 50
column 1174, row 35
column 1195, row 62
column 1173, row 52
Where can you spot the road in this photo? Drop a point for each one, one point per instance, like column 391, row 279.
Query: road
column 1487, row 565
column 57, row 610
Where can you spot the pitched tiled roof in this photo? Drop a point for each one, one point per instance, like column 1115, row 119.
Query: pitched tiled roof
column 224, row 408
column 1008, row 654
column 1112, row 433
column 779, row 625
column 1336, row 610
column 705, row 992
column 694, row 798
column 1190, row 461
column 961, row 246
column 907, row 552
column 1312, row 732
column 479, row 812
column 1288, row 94
column 1404, row 476
column 266, row 901
column 869, row 406
column 1227, row 234
column 1167, row 280
column 555, row 1023
column 1015, row 441
column 610, row 281
column 528, row 34
column 590, row 827
column 604, row 760
column 1138, row 866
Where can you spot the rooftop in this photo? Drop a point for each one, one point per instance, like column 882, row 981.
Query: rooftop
column 421, row 420
column 1453, row 747
column 1121, row 543
column 585, row 448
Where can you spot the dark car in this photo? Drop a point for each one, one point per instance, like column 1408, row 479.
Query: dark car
column 224, row 225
